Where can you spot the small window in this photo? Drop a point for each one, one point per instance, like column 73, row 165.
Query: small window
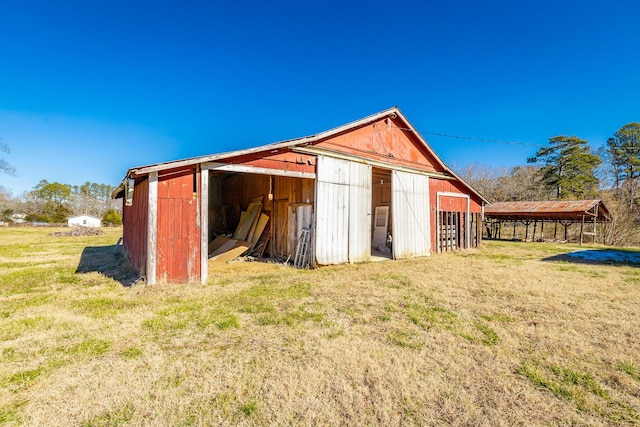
column 84, row 221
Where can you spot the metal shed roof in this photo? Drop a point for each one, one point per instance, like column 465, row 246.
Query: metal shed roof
column 548, row 210
column 298, row 142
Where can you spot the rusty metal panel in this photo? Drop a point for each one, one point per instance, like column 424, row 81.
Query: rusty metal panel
column 551, row 209
column 410, row 210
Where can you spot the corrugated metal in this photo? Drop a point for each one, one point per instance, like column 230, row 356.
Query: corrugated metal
column 410, row 210
column 557, row 209
column 343, row 211
column 332, row 211
column 359, row 212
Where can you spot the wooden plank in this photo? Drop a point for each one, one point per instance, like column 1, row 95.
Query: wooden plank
column 253, row 225
column 217, row 243
column 260, row 226
column 257, row 170
column 243, row 218
column 235, row 251
column 252, row 212
column 228, row 245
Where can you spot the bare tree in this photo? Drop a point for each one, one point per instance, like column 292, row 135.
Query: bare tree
column 5, row 166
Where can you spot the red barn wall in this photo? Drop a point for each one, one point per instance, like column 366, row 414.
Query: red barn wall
column 134, row 233
column 178, row 235
column 387, row 141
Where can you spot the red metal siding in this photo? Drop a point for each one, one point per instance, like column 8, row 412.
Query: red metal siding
column 386, row 141
column 134, row 233
column 178, row 238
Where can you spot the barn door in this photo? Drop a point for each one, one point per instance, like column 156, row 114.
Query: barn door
column 410, row 210
column 359, row 212
column 343, row 211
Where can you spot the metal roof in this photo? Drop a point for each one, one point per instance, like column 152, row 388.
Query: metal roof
column 549, row 210
column 288, row 144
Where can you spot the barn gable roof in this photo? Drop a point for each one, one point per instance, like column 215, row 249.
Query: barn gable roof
column 393, row 112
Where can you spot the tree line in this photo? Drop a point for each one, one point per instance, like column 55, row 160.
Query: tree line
column 54, row 202
column 569, row 169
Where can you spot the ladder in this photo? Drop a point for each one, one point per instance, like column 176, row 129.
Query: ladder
column 301, row 258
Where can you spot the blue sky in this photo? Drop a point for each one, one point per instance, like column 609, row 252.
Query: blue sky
column 89, row 89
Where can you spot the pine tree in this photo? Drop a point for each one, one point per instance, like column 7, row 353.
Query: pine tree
column 569, row 167
column 624, row 152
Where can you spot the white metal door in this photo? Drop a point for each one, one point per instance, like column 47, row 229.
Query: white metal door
column 359, row 212
column 343, row 211
column 410, row 210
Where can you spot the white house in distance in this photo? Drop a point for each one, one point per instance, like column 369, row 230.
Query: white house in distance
column 84, row 221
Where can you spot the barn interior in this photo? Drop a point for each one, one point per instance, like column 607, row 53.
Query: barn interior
column 288, row 203
column 277, row 209
column 382, row 220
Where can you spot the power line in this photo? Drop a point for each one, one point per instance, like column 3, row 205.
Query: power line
column 495, row 141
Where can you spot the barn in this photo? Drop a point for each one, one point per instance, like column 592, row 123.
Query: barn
column 371, row 188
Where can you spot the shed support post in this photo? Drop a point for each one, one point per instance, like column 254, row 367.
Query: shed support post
column 581, row 229
column 272, row 226
column 555, row 230
column 204, row 225
column 542, row 229
column 535, row 226
column 595, row 224
column 514, row 230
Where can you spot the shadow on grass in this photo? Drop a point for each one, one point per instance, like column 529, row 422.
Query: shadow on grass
column 109, row 261
column 599, row 257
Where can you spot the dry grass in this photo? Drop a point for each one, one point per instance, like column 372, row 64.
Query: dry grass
column 497, row 336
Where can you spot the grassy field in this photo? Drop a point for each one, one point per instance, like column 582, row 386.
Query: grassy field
column 506, row 335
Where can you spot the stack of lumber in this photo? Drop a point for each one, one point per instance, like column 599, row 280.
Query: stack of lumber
column 252, row 224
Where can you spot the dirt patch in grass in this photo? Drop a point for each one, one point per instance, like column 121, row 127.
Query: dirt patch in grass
column 495, row 336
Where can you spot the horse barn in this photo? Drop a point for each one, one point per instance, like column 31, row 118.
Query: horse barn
column 372, row 188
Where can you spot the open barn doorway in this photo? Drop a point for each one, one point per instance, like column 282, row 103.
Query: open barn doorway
column 264, row 213
column 381, row 238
